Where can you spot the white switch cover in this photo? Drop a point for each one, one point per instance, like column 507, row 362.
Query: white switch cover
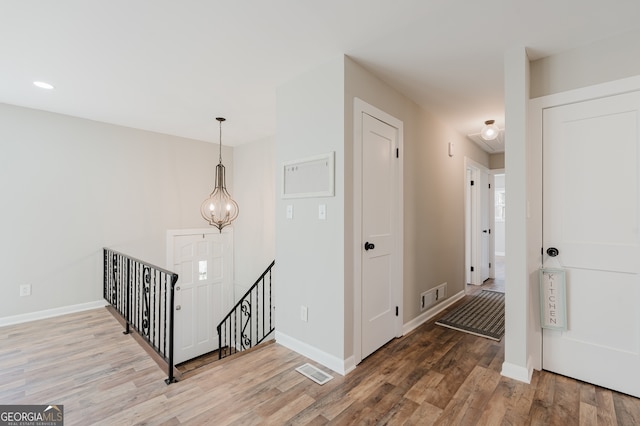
column 25, row 290
column 303, row 313
column 290, row 211
column 322, row 211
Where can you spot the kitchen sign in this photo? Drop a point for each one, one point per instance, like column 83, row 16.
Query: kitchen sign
column 553, row 301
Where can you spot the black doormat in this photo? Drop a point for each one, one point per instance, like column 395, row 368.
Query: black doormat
column 483, row 316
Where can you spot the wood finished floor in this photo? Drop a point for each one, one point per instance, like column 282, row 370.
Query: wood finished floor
column 433, row 375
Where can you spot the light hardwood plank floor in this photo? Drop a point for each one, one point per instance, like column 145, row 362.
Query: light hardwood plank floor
column 433, row 375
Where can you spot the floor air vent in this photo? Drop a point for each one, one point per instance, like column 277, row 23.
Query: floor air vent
column 318, row 376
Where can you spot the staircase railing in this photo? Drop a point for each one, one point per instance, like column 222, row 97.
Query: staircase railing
column 144, row 295
column 251, row 319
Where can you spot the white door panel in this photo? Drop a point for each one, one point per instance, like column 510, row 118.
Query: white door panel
column 590, row 214
column 202, row 262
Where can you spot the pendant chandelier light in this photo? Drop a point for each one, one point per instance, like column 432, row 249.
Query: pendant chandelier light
column 219, row 209
column 490, row 131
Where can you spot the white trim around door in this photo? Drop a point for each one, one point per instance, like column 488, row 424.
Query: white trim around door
column 360, row 108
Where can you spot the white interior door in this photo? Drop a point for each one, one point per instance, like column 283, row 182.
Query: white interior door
column 591, row 216
column 379, row 245
column 485, row 228
column 203, row 263
column 477, row 232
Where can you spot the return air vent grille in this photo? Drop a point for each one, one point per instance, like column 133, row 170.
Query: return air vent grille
column 318, row 376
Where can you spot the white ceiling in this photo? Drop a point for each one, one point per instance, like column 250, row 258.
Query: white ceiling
column 172, row 66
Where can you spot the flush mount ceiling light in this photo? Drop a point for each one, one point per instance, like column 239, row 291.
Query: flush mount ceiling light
column 490, row 131
column 43, row 85
column 219, row 209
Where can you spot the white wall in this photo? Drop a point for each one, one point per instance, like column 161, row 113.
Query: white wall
column 309, row 252
column 254, row 230
column 71, row 186
column 518, row 351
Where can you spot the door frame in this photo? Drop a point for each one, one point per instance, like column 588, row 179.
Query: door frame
column 473, row 220
column 492, row 218
column 534, row 192
column 360, row 107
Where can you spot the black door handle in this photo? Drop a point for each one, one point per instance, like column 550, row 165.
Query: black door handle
column 369, row 246
column 552, row 251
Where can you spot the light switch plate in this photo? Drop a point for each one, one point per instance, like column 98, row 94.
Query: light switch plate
column 290, row 211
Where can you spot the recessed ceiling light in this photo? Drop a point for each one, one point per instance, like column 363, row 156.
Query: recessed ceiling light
column 43, row 85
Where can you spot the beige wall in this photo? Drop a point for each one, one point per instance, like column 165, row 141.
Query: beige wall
column 602, row 61
column 254, row 229
column 71, row 186
column 434, row 250
column 496, row 161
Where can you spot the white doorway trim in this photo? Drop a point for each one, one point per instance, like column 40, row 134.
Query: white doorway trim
column 492, row 218
column 361, row 107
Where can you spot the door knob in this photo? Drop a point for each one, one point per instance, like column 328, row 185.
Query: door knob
column 552, row 251
column 369, row 246
column 485, row 231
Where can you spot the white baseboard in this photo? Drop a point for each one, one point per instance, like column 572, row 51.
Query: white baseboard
column 340, row 366
column 517, row 372
column 33, row 316
column 430, row 313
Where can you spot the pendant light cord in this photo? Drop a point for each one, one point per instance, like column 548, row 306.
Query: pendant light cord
column 220, row 152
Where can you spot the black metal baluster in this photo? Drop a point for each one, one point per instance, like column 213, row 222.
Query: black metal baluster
column 171, row 379
column 270, row 303
column 153, row 311
column 136, row 286
column 164, row 317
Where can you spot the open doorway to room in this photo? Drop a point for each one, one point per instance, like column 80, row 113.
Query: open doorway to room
column 485, row 228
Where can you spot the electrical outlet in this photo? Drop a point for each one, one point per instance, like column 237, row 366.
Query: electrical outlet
column 25, row 290
column 303, row 313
